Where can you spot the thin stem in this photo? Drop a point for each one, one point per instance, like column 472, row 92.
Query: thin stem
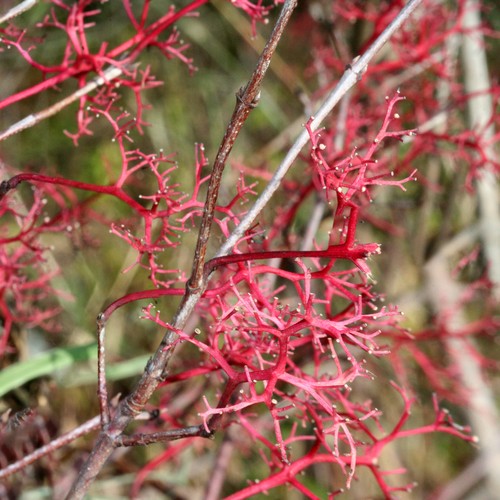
column 33, row 119
column 17, row 9
column 246, row 99
column 162, row 437
column 13, row 182
column 342, row 251
column 55, row 444
column 102, row 390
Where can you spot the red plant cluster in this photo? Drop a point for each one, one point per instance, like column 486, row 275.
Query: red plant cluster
column 285, row 327
column 295, row 340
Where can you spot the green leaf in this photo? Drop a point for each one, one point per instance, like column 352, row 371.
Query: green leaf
column 45, row 364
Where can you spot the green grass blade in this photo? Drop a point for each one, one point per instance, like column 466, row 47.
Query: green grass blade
column 45, row 364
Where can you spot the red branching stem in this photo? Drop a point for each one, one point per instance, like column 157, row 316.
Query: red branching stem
column 112, row 190
column 86, row 62
column 137, row 43
column 333, row 252
column 102, row 391
column 135, row 296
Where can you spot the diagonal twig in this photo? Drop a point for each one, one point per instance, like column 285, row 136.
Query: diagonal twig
column 111, row 73
column 89, row 426
column 17, row 10
column 247, row 98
